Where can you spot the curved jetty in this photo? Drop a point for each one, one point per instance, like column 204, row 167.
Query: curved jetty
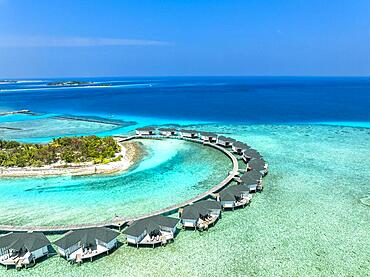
column 157, row 228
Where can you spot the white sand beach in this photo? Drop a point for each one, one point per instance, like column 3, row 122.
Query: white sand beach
column 129, row 153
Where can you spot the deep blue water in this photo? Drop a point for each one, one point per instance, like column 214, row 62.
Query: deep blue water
column 216, row 99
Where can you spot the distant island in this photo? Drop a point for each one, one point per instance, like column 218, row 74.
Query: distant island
column 66, row 156
column 76, row 83
column 8, row 81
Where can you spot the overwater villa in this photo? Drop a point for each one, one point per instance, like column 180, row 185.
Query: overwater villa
column 188, row 133
column 167, row 132
column 234, row 197
column 200, row 215
column 22, row 249
column 249, row 154
column 238, row 147
column 225, row 141
column 152, row 231
column 207, row 136
column 146, row 131
column 252, row 179
column 83, row 244
column 258, row 165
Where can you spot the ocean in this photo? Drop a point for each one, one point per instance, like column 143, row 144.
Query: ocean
column 210, row 99
column 312, row 219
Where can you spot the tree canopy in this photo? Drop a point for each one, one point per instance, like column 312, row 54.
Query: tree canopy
column 66, row 150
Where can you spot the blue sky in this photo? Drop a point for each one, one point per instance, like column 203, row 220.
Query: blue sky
column 190, row 37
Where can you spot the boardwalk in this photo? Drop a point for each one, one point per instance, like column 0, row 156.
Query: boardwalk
column 121, row 221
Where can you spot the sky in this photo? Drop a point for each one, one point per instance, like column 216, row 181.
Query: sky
column 43, row 38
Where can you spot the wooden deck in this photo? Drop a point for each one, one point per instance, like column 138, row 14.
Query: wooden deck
column 121, row 221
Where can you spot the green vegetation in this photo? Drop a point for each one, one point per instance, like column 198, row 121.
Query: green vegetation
column 76, row 83
column 65, row 150
column 70, row 83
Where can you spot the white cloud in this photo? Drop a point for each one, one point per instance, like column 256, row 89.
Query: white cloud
column 40, row 41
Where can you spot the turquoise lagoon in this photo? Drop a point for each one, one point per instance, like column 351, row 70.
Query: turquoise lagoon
column 312, row 219
column 172, row 172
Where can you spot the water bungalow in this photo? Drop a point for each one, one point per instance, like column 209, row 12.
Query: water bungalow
column 234, row 197
column 146, row 131
column 207, row 136
column 225, row 141
column 22, row 249
column 151, row 231
column 258, row 165
column 188, row 133
column 252, row 179
column 249, row 154
column 238, row 147
column 82, row 244
column 200, row 215
column 167, row 132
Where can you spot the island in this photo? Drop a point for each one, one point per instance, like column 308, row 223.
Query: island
column 69, row 83
column 77, row 83
column 8, row 81
column 67, row 156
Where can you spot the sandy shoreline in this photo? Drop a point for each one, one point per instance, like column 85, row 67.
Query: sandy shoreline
column 130, row 152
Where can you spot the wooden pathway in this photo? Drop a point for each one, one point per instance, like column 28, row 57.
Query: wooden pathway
column 118, row 222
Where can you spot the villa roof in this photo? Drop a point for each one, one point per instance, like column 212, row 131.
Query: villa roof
column 249, row 181
column 188, row 131
column 230, row 193
column 245, row 187
column 201, row 208
column 208, row 134
column 251, row 176
column 239, row 144
column 146, row 129
column 227, row 196
column 24, row 241
column 87, row 237
column 252, row 153
column 167, row 129
column 150, row 224
column 226, row 139
column 257, row 164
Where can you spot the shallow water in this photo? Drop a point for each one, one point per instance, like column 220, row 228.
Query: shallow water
column 309, row 220
column 173, row 172
column 312, row 219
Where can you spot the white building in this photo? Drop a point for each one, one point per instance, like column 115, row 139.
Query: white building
column 238, row 147
column 167, row 132
column 207, row 136
column 225, row 141
column 200, row 214
column 22, row 249
column 146, row 131
column 151, row 231
column 258, row 165
column 248, row 154
column 234, row 197
column 188, row 133
column 86, row 243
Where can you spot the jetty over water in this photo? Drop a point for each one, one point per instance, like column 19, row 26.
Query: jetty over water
column 118, row 221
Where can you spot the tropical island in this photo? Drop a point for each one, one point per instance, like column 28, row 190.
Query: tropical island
column 76, row 83
column 66, row 156
column 8, row 81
